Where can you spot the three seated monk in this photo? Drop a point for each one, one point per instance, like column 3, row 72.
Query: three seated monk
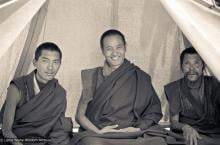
column 34, row 110
column 194, row 102
column 118, row 101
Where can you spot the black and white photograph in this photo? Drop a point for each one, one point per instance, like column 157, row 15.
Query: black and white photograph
column 109, row 72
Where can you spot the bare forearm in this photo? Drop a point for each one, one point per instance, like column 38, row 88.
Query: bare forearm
column 13, row 97
column 87, row 124
column 82, row 119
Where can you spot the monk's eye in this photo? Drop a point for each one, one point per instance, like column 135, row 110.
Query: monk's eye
column 108, row 49
column 44, row 60
column 119, row 47
column 186, row 63
column 56, row 62
column 198, row 64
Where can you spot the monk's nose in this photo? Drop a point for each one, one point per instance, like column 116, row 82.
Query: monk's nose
column 192, row 68
column 50, row 66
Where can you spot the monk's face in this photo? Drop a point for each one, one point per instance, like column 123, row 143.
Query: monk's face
column 47, row 65
column 114, row 50
column 192, row 66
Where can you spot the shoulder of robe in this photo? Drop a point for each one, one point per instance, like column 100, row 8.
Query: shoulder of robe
column 171, row 88
column 212, row 79
column 61, row 89
column 214, row 84
column 87, row 76
column 13, row 89
column 144, row 74
column 19, row 82
column 88, row 72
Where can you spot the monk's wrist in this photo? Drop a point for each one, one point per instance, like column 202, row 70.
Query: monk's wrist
column 185, row 127
column 98, row 131
column 177, row 126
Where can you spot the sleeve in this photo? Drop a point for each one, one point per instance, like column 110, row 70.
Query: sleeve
column 173, row 96
column 87, row 85
column 85, row 96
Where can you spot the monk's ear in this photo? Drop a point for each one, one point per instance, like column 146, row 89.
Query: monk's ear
column 34, row 61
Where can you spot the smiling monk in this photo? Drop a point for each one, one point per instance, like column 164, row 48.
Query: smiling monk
column 118, row 101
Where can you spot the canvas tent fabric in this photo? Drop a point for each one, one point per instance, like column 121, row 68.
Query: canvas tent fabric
column 154, row 40
column 14, row 37
column 202, row 29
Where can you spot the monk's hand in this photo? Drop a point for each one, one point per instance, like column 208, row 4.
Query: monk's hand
column 111, row 128
column 130, row 129
column 191, row 135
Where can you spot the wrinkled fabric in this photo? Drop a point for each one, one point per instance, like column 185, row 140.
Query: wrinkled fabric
column 126, row 97
column 128, row 81
column 155, row 135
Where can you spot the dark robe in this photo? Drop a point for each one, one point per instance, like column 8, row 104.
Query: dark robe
column 126, row 97
column 41, row 116
column 203, row 115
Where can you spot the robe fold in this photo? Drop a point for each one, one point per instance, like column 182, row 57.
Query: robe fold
column 126, row 97
column 40, row 116
column 205, row 116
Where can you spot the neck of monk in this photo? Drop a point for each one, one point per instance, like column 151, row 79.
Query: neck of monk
column 107, row 69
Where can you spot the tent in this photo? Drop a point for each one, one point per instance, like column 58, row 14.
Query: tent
column 153, row 30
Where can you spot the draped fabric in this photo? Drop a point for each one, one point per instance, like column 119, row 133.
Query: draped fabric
column 20, row 25
column 154, row 135
column 203, row 32
column 9, row 62
column 128, row 81
column 125, row 97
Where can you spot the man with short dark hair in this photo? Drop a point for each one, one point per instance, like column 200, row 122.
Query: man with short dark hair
column 195, row 102
column 118, row 102
column 34, row 110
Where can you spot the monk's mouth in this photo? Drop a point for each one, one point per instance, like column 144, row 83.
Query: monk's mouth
column 49, row 74
column 115, row 58
column 192, row 74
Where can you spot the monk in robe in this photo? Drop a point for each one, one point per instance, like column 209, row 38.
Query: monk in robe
column 194, row 102
column 118, row 101
column 34, row 110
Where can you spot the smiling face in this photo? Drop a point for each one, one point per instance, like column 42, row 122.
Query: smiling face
column 192, row 66
column 114, row 50
column 47, row 65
